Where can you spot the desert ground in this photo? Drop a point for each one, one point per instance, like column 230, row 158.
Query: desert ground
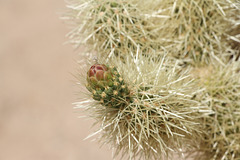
column 37, row 88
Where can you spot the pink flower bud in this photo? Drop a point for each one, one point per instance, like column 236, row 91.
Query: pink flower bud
column 97, row 74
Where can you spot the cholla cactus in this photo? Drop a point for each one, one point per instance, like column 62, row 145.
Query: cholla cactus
column 222, row 139
column 147, row 105
column 196, row 31
column 117, row 26
column 160, row 115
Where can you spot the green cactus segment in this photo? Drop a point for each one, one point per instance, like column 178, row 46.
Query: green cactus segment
column 107, row 86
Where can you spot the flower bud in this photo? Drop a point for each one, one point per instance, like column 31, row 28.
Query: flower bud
column 98, row 75
column 105, row 83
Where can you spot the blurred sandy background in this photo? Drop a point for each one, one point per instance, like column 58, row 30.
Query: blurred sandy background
column 37, row 119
